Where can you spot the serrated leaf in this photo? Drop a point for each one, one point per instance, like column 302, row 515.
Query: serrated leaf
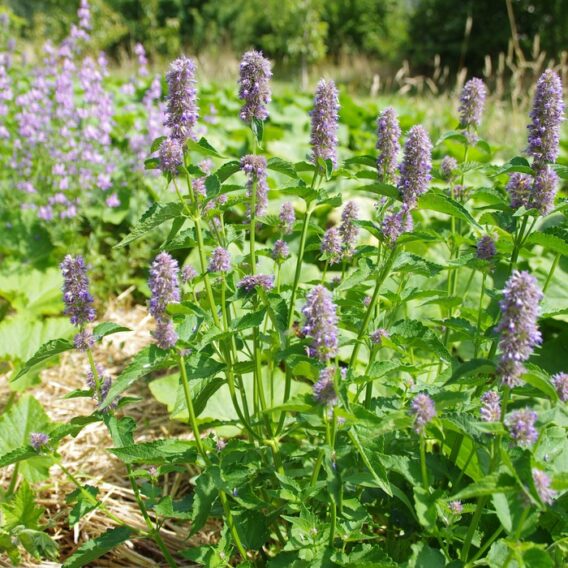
column 212, row 186
column 205, row 494
column 227, row 170
column 157, row 452
column 203, row 147
column 156, row 143
column 157, row 214
column 472, row 368
column 21, row 510
column 381, row 189
column 441, row 203
column 108, row 328
column 551, row 239
column 283, row 167
column 82, row 504
column 252, row 319
column 97, row 547
column 43, row 354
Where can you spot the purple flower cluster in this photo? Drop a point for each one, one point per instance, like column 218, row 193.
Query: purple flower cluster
column 164, row 286
column 560, row 382
column 424, row 411
column 220, row 260
column 84, row 340
column 490, row 407
column 378, row 335
column 448, row 167
column 321, row 323
column 456, row 507
column 249, row 283
column 331, row 245
column 280, row 252
column 521, row 426
column 519, row 188
column 76, row 296
column 544, row 190
column 105, row 382
column 255, row 168
column 38, row 440
column 546, row 116
column 171, row 156
column 348, row 230
column 388, row 145
column 324, row 388
column 140, row 53
column 182, row 112
column 287, row 217
column 518, row 326
column 416, row 166
column 324, row 122
column 542, row 485
column 486, row 248
column 188, row 273
column 472, row 101
column 254, row 86
column 396, row 223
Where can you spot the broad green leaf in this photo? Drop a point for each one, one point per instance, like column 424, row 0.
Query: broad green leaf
column 441, row 203
column 554, row 239
column 205, row 493
column 44, row 353
column 252, row 319
column 108, row 328
column 157, row 452
column 471, row 368
column 82, row 504
column 227, row 170
column 381, row 189
column 97, row 547
column 283, row 167
column 21, row 510
column 203, row 147
column 157, row 214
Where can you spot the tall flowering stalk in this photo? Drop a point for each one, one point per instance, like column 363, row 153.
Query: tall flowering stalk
column 348, row 230
column 546, row 116
column 257, row 188
column 164, row 286
column 254, row 86
column 321, row 323
column 472, row 102
column 518, row 327
column 325, row 117
column 388, row 145
column 182, row 111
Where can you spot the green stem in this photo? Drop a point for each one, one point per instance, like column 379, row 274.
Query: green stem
column 13, row 481
column 478, row 328
column 252, row 229
column 317, row 467
column 486, row 545
column 551, row 273
column 481, row 501
column 423, row 469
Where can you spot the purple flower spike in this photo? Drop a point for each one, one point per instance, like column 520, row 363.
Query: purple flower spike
column 321, row 323
column 490, row 407
column 165, row 334
column 331, row 245
column 416, row 166
column 560, row 382
column 519, row 189
column 395, row 224
column 254, row 82
column 163, row 283
column 542, row 485
column 255, row 169
column 546, row 116
column 324, row 389
column 518, row 326
column 544, row 190
column 378, row 335
column 348, row 230
column 486, row 249
column 456, row 507
column 448, row 167
column 324, row 122
column 78, row 301
column 388, row 145
column 249, row 283
column 182, row 112
column 220, row 260
column 84, row 340
column 472, row 101
column 287, row 217
column 521, row 426
column 105, row 382
column 188, row 273
column 38, row 440
column 424, row 411
column 170, row 156
column 280, row 252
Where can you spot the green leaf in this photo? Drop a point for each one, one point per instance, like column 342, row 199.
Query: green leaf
column 21, row 510
column 156, row 143
column 157, row 214
column 425, row 504
column 38, row 544
column 16, row 425
column 212, row 186
column 283, row 167
column 157, row 452
column 227, row 170
column 205, row 494
column 97, row 547
column 203, row 147
column 252, row 528
column 554, row 239
column 503, row 511
column 471, row 368
column 179, row 509
column 381, row 189
column 152, row 164
column 82, row 503
column 517, row 164
column 43, row 354
column 441, row 203
column 145, row 362
column 252, row 319
column 258, row 129
column 108, row 328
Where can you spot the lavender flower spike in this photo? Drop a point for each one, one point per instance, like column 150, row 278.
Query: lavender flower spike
column 78, row 301
column 521, row 426
column 170, row 156
column 321, row 323
column 486, row 249
column 544, row 190
column 254, row 82
column 280, row 252
column 560, row 382
column 472, row 101
column 331, row 245
column 182, row 112
column 519, row 188
column 324, row 389
column 416, row 166
column 542, row 485
column 490, row 407
column 255, row 169
column 38, row 440
column 287, row 217
column 448, row 167
column 348, row 230
column 518, row 326
column 546, row 115
column 324, row 122
column 395, row 224
column 220, row 260
column 424, row 410
column 388, row 145
column 249, row 283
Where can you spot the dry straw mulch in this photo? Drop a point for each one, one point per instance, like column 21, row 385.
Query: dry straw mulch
column 86, row 456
